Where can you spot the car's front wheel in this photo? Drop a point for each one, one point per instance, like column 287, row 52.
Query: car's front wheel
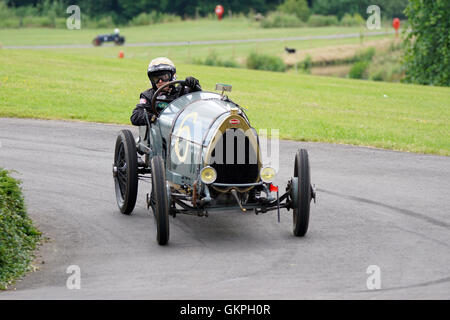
column 125, row 171
column 302, row 189
column 119, row 41
column 159, row 200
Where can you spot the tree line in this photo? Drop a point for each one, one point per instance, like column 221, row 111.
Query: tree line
column 125, row 10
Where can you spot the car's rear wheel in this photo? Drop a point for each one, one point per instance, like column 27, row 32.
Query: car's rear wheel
column 125, row 172
column 159, row 200
column 303, row 193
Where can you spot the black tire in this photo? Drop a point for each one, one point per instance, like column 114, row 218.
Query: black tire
column 159, row 200
column 125, row 171
column 301, row 209
column 118, row 41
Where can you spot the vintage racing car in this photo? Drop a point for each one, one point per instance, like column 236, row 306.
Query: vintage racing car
column 117, row 39
column 202, row 155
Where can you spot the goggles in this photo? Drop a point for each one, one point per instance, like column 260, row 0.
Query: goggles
column 166, row 76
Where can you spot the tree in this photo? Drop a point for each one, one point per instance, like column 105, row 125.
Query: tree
column 125, row 10
column 340, row 7
column 297, row 7
column 389, row 8
column 393, row 8
column 207, row 6
column 427, row 59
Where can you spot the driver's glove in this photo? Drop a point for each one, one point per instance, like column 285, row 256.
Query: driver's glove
column 151, row 117
column 191, row 82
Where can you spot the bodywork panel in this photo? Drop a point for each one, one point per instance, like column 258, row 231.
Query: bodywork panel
column 190, row 127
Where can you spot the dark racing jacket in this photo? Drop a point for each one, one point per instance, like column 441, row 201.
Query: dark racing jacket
column 145, row 99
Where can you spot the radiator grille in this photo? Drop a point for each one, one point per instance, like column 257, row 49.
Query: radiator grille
column 241, row 165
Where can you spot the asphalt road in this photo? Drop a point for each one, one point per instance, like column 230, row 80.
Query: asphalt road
column 206, row 42
column 375, row 207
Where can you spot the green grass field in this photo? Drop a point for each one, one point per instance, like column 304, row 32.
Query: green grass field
column 176, row 31
column 204, row 29
column 65, row 85
column 188, row 54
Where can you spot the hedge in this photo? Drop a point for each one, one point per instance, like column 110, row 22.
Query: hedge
column 18, row 236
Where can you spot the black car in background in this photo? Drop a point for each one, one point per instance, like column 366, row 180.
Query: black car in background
column 114, row 37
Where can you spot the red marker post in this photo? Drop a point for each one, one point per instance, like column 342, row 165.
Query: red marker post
column 121, row 55
column 396, row 25
column 219, row 11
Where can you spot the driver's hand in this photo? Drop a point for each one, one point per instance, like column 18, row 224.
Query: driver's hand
column 191, row 82
column 151, row 116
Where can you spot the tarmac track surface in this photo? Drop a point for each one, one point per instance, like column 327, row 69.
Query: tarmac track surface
column 206, row 42
column 375, row 207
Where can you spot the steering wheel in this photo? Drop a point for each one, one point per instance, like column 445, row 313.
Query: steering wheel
column 155, row 95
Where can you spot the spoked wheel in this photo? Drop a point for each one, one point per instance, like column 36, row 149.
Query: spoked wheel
column 301, row 193
column 125, row 171
column 159, row 200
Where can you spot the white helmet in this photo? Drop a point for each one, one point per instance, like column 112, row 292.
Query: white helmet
column 159, row 65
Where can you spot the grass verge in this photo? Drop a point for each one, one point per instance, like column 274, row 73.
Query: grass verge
column 18, row 236
column 191, row 30
column 49, row 85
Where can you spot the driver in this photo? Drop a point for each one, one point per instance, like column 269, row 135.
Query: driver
column 160, row 72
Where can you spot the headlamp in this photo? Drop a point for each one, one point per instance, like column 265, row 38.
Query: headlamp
column 267, row 174
column 208, row 175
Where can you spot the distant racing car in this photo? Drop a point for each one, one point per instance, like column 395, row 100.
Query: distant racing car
column 114, row 37
column 202, row 155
